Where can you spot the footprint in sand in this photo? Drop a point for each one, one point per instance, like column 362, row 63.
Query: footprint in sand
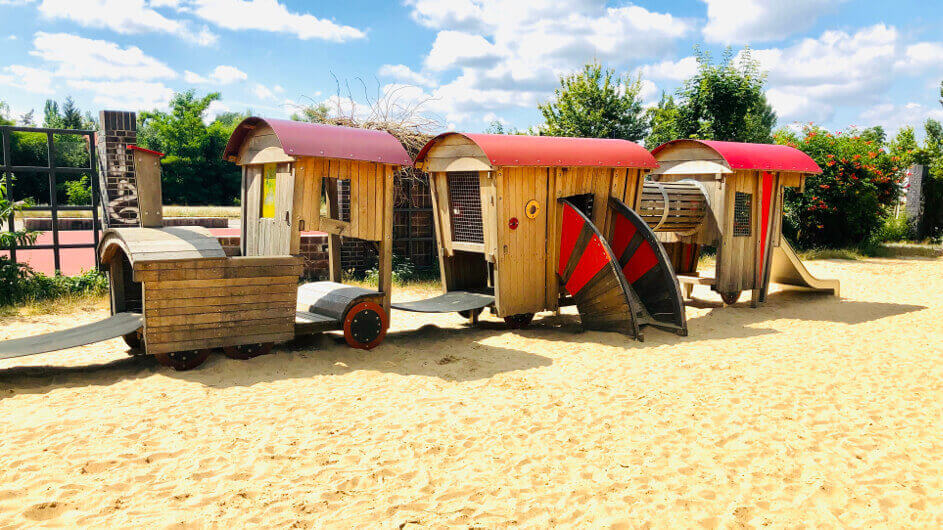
column 45, row 511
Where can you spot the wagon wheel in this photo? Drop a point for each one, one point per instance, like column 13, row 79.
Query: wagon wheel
column 183, row 360
column 247, row 351
column 365, row 325
column 731, row 297
column 471, row 314
column 519, row 321
column 133, row 340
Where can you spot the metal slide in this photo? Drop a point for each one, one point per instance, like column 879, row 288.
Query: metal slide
column 110, row 328
column 787, row 269
column 451, row 302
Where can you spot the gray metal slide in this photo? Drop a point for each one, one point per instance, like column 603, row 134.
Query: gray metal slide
column 110, row 328
column 450, row 302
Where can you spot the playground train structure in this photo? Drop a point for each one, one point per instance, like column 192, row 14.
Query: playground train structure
column 523, row 225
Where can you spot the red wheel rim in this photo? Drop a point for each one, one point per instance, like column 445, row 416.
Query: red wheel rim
column 349, row 321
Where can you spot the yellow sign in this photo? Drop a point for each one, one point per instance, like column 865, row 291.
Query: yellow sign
column 268, row 192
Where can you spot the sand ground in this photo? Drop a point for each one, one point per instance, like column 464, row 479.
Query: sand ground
column 807, row 412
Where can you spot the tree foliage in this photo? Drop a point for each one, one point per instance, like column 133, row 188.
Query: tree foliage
column 722, row 101
column 851, row 199
column 595, row 103
column 193, row 169
column 30, row 149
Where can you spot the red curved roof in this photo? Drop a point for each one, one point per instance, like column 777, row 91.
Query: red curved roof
column 521, row 150
column 299, row 138
column 762, row 157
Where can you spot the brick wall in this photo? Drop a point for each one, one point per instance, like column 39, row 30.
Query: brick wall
column 313, row 250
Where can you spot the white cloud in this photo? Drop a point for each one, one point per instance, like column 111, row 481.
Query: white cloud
column 125, row 94
column 76, row 57
column 225, row 75
column 454, row 49
column 195, row 78
column 33, row 80
column 922, row 57
column 892, row 117
column 671, row 70
column 263, row 92
column 122, row 16
column 215, row 109
column 221, row 75
column 746, row 21
column 509, row 54
column 269, row 15
column 835, row 69
column 403, row 73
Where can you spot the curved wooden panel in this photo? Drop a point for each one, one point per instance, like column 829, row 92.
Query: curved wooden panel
column 589, row 271
column 159, row 244
column 647, row 268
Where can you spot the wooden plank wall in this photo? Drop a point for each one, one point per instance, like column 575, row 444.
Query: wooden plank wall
column 522, row 251
column 218, row 302
column 533, row 246
column 736, row 261
column 252, row 208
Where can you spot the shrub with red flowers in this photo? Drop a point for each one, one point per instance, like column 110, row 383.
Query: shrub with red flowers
column 853, row 196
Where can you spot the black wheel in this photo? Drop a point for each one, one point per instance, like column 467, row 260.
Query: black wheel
column 133, row 340
column 183, row 360
column 730, row 298
column 519, row 321
column 471, row 314
column 365, row 325
column 247, row 351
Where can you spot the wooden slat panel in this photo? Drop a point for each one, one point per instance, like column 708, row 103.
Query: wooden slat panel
column 252, row 294
column 220, row 342
column 218, row 273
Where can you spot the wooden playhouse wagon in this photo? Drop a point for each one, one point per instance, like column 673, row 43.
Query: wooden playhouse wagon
column 542, row 222
column 729, row 195
column 174, row 292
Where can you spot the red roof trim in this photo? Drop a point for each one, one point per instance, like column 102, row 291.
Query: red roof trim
column 761, row 157
column 324, row 141
column 136, row 148
column 554, row 151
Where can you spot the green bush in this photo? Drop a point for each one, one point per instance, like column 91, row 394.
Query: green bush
column 20, row 284
column 78, row 191
column 848, row 203
column 404, row 271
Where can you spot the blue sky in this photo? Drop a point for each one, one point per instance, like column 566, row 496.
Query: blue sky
column 466, row 62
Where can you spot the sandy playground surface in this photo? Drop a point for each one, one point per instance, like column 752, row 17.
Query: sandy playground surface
column 809, row 411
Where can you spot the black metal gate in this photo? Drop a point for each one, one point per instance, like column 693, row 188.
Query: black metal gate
column 52, row 170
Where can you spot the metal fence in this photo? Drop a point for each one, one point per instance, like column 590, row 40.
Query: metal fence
column 52, row 171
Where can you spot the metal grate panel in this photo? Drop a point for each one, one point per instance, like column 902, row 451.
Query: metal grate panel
column 465, row 207
column 742, row 214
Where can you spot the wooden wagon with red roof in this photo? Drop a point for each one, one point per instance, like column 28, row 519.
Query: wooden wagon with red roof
column 537, row 223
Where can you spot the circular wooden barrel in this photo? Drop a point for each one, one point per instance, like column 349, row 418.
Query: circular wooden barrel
column 673, row 206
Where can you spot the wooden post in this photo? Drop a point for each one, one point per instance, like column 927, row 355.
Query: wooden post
column 386, row 244
column 333, row 240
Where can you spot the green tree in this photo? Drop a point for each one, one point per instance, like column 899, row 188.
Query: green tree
column 595, row 103
column 318, row 113
column 725, row 101
column 193, row 170
column 664, row 121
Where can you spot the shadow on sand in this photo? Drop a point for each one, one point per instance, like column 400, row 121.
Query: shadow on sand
column 451, row 354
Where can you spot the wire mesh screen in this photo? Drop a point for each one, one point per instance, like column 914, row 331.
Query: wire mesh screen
column 465, row 207
column 742, row 214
